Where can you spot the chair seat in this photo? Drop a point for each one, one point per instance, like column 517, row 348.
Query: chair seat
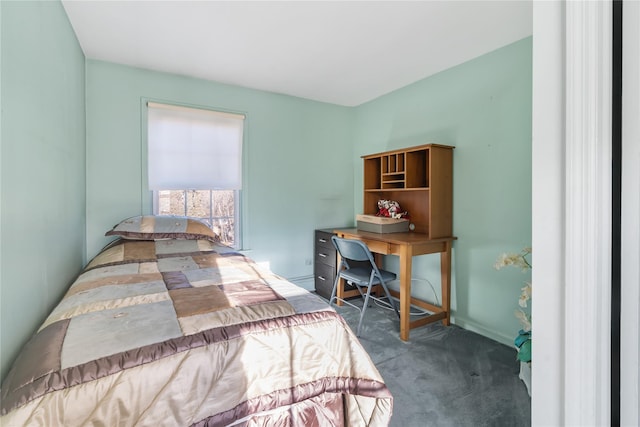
column 361, row 275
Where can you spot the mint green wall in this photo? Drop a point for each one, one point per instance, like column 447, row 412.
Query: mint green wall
column 42, row 169
column 483, row 108
column 298, row 159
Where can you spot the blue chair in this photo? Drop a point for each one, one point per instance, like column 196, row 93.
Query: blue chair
column 360, row 275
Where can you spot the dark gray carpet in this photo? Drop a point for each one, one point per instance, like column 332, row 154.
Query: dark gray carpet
column 444, row 376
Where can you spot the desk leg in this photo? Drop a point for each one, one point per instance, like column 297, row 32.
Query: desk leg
column 445, row 278
column 406, row 256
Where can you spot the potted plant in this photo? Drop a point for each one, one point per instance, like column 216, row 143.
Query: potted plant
column 523, row 312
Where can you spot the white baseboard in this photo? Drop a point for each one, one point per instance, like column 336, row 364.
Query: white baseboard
column 479, row 329
column 305, row 282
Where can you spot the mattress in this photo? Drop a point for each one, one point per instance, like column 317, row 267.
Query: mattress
column 180, row 332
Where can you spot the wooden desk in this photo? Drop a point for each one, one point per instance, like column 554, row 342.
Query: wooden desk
column 406, row 246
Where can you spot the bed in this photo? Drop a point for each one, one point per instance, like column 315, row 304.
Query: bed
column 168, row 327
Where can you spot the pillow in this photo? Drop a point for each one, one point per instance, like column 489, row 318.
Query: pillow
column 157, row 227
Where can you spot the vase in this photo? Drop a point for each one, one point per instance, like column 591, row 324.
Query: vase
column 525, row 375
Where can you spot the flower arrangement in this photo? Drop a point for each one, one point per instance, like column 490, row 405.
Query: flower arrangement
column 391, row 209
column 523, row 340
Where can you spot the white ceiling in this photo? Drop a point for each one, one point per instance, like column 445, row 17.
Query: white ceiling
column 341, row 52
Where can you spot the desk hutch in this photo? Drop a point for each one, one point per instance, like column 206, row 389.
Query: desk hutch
column 420, row 179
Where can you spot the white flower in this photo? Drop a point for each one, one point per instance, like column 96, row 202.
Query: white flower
column 516, row 260
column 524, row 320
column 520, row 261
column 525, row 295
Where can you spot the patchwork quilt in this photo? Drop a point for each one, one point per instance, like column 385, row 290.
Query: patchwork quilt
column 187, row 332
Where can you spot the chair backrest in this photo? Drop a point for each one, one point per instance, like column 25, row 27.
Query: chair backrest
column 350, row 249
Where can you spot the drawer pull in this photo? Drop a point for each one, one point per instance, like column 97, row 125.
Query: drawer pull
column 322, row 255
column 322, row 278
column 322, row 240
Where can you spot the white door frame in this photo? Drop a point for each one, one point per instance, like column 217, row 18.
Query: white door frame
column 571, row 214
column 630, row 274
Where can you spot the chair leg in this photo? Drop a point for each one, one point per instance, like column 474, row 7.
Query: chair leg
column 365, row 305
column 334, row 290
column 386, row 291
column 359, row 288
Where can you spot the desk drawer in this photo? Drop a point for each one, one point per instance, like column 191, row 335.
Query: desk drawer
column 324, row 276
column 378, row 247
column 325, row 256
column 323, row 240
column 324, row 251
column 375, row 246
column 324, row 265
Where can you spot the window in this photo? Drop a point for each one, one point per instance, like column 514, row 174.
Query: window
column 216, row 207
column 194, row 164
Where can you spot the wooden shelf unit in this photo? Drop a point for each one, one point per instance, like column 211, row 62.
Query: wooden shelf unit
column 420, row 179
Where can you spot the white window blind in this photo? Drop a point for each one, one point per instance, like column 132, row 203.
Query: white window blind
column 190, row 148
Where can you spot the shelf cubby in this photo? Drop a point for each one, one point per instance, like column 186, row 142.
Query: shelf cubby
column 420, row 179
